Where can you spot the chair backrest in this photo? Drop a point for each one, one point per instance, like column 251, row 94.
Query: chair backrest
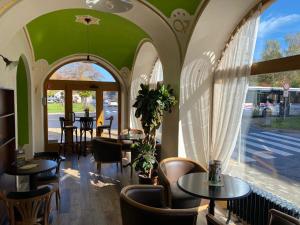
column 31, row 207
column 144, row 204
column 86, row 123
column 110, row 119
column 55, row 156
column 175, row 167
column 62, row 121
column 279, row 218
column 106, row 151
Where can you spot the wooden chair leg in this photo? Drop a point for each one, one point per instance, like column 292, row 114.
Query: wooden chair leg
column 57, row 198
column 121, row 166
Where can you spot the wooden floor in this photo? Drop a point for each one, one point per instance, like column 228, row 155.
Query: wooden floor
column 88, row 198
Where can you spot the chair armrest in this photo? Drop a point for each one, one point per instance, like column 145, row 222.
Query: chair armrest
column 152, row 196
column 211, row 220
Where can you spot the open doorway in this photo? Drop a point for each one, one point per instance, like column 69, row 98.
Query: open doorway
column 76, row 90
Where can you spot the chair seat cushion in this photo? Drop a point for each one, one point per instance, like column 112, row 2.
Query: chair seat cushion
column 181, row 199
column 103, row 127
column 49, row 176
column 70, row 127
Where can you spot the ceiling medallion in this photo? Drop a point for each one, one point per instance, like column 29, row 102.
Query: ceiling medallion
column 112, row 6
column 87, row 20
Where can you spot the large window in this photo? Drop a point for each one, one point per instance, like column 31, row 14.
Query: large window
column 267, row 152
column 279, row 31
column 82, row 71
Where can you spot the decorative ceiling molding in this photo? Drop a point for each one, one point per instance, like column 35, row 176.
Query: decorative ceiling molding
column 6, row 5
column 180, row 21
column 87, row 20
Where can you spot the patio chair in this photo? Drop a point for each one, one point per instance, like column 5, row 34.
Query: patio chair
column 107, row 126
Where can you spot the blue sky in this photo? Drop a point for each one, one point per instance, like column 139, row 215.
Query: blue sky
column 105, row 73
column 280, row 19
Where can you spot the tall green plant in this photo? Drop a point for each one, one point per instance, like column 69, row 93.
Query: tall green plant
column 150, row 107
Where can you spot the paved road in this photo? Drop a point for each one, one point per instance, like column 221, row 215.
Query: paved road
column 53, row 118
column 272, row 152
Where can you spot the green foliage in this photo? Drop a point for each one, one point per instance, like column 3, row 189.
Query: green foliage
column 145, row 160
column 273, row 50
column 85, row 94
column 150, row 107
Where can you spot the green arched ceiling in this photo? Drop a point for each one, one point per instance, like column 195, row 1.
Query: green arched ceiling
column 168, row 6
column 56, row 35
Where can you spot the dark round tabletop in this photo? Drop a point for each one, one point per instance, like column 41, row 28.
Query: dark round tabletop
column 42, row 166
column 197, row 185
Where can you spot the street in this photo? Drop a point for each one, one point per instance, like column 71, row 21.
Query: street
column 271, row 151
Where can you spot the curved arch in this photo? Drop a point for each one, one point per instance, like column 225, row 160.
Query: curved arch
column 196, row 78
column 23, row 88
column 142, row 68
column 119, row 84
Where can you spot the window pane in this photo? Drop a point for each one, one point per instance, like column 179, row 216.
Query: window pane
column 267, row 151
column 110, row 107
column 82, row 71
column 55, row 109
column 279, row 31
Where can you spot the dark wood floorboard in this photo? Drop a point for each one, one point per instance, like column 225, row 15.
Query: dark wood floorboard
column 88, row 197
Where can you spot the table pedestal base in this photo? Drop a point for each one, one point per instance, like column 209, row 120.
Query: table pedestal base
column 211, row 209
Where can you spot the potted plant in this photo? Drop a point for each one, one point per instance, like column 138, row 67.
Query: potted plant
column 150, row 107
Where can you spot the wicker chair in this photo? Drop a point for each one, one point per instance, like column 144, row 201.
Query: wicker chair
column 51, row 176
column 28, row 208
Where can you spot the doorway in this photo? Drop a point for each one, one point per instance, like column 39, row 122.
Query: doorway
column 76, row 90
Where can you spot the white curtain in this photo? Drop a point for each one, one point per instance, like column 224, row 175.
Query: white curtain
column 156, row 75
column 230, row 89
column 195, row 110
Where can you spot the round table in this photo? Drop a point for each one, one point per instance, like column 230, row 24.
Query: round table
column 197, row 185
column 41, row 167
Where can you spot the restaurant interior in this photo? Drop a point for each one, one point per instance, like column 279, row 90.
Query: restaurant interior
column 142, row 112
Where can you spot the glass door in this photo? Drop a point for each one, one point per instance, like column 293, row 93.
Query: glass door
column 110, row 108
column 55, row 110
column 84, row 105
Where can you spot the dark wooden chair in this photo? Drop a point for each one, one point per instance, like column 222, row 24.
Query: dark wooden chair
column 279, row 218
column 105, row 126
column 107, row 152
column 169, row 171
column 144, row 204
column 86, row 125
column 51, row 176
column 28, row 208
column 67, row 126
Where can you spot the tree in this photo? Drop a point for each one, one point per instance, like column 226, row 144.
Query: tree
column 84, row 95
column 271, row 51
column 293, row 42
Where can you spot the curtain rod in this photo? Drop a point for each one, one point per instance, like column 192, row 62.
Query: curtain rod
column 261, row 5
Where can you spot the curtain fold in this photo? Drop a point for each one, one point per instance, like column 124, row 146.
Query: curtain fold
column 230, row 89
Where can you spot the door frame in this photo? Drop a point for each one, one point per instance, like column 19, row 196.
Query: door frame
column 68, row 86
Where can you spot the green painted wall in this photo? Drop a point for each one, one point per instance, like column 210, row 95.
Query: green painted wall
column 22, row 104
column 168, row 6
column 56, row 35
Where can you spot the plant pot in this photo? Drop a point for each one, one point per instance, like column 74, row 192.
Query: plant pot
column 144, row 179
column 148, row 180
